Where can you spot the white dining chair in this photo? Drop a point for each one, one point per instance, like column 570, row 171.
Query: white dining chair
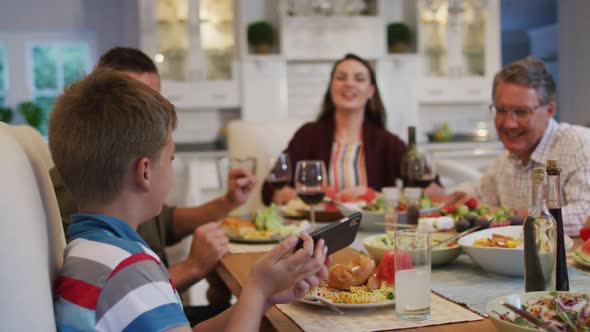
column 263, row 141
column 31, row 238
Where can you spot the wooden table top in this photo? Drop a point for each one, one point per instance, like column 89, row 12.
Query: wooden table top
column 234, row 269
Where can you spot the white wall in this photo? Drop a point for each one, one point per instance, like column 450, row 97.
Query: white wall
column 574, row 55
column 114, row 22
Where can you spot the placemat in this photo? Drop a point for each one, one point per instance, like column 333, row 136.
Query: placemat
column 240, row 248
column 466, row 283
column 316, row 318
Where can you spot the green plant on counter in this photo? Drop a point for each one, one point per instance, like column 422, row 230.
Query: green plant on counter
column 33, row 114
column 399, row 37
column 261, row 36
column 6, row 114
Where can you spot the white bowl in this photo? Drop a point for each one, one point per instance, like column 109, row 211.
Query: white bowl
column 440, row 255
column 371, row 221
column 500, row 261
column 495, row 306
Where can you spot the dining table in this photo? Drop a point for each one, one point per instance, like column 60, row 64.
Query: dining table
column 234, row 269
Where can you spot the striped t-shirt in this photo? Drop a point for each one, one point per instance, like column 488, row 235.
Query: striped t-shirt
column 112, row 281
column 347, row 166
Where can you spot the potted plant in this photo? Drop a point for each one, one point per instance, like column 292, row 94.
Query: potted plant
column 6, row 114
column 33, row 114
column 261, row 37
column 399, row 37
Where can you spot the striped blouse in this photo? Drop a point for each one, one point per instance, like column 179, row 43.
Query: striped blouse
column 347, row 166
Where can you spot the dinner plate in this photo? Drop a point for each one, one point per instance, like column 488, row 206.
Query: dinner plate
column 254, row 241
column 321, row 290
column 303, row 226
column 579, row 260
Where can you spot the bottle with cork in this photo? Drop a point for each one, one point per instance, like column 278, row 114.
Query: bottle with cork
column 554, row 205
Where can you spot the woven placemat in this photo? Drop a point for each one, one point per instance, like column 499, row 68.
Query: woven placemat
column 316, row 318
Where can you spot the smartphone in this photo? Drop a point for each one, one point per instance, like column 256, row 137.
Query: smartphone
column 337, row 235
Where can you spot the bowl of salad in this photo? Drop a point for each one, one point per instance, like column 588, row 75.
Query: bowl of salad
column 378, row 244
column 566, row 311
column 374, row 214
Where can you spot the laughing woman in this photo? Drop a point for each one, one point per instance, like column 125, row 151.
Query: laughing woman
column 349, row 135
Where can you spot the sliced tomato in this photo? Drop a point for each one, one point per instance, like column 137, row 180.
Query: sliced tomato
column 369, row 195
column 386, row 269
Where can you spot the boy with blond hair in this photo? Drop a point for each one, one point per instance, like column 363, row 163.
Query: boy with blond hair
column 111, row 140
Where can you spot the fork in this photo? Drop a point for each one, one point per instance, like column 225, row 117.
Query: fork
column 529, row 317
column 324, row 303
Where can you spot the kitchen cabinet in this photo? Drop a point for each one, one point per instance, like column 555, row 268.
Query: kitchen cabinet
column 193, row 44
column 459, row 47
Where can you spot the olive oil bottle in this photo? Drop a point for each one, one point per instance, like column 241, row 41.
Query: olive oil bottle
column 539, row 231
column 554, row 205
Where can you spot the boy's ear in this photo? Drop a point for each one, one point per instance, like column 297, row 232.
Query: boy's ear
column 142, row 174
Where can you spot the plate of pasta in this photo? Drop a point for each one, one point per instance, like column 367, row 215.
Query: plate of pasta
column 353, row 298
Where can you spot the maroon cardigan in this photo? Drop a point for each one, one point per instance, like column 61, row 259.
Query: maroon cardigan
column 383, row 152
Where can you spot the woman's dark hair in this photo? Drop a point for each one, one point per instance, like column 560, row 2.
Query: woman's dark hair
column 374, row 109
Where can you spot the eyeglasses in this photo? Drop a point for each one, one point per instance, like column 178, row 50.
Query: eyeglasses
column 520, row 113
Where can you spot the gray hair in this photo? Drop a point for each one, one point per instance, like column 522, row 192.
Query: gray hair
column 530, row 72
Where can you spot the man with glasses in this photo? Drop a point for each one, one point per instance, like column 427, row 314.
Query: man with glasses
column 523, row 110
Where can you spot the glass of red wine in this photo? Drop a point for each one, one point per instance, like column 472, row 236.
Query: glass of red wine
column 281, row 172
column 421, row 171
column 311, row 183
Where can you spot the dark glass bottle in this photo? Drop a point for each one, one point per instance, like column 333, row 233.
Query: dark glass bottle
column 413, row 165
column 554, row 205
column 539, row 240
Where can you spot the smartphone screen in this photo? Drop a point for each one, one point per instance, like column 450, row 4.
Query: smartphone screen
column 337, row 235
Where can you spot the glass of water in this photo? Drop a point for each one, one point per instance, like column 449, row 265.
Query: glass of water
column 412, row 274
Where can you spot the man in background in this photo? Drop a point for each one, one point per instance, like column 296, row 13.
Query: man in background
column 174, row 223
column 523, row 109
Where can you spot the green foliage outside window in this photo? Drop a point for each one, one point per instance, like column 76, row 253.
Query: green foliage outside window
column 34, row 115
column 6, row 113
column 44, row 67
column 46, row 105
column 73, row 59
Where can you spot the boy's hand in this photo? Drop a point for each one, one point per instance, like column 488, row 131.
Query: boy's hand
column 239, row 185
column 284, row 277
column 209, row 245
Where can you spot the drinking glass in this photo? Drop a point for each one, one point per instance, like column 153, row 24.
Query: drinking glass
column 248, row 164
column 421, row 171
column 412, row 274
column 311, row 184
column 280, row 173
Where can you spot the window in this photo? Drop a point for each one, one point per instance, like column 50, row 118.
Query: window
column 3, row 76
column 54, row 67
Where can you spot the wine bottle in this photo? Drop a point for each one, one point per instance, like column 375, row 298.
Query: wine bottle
column 412, row 165
column 539, row 240
column 554, row 205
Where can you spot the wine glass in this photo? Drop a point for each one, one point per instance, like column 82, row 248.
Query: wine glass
column 421, row 170
column 311, row 183
column 280, row 173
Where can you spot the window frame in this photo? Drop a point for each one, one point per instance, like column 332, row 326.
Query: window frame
column 58, row 45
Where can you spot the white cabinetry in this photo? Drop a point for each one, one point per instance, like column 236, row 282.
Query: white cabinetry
column 459, row 46
column 192, row 43
column 329, row 38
